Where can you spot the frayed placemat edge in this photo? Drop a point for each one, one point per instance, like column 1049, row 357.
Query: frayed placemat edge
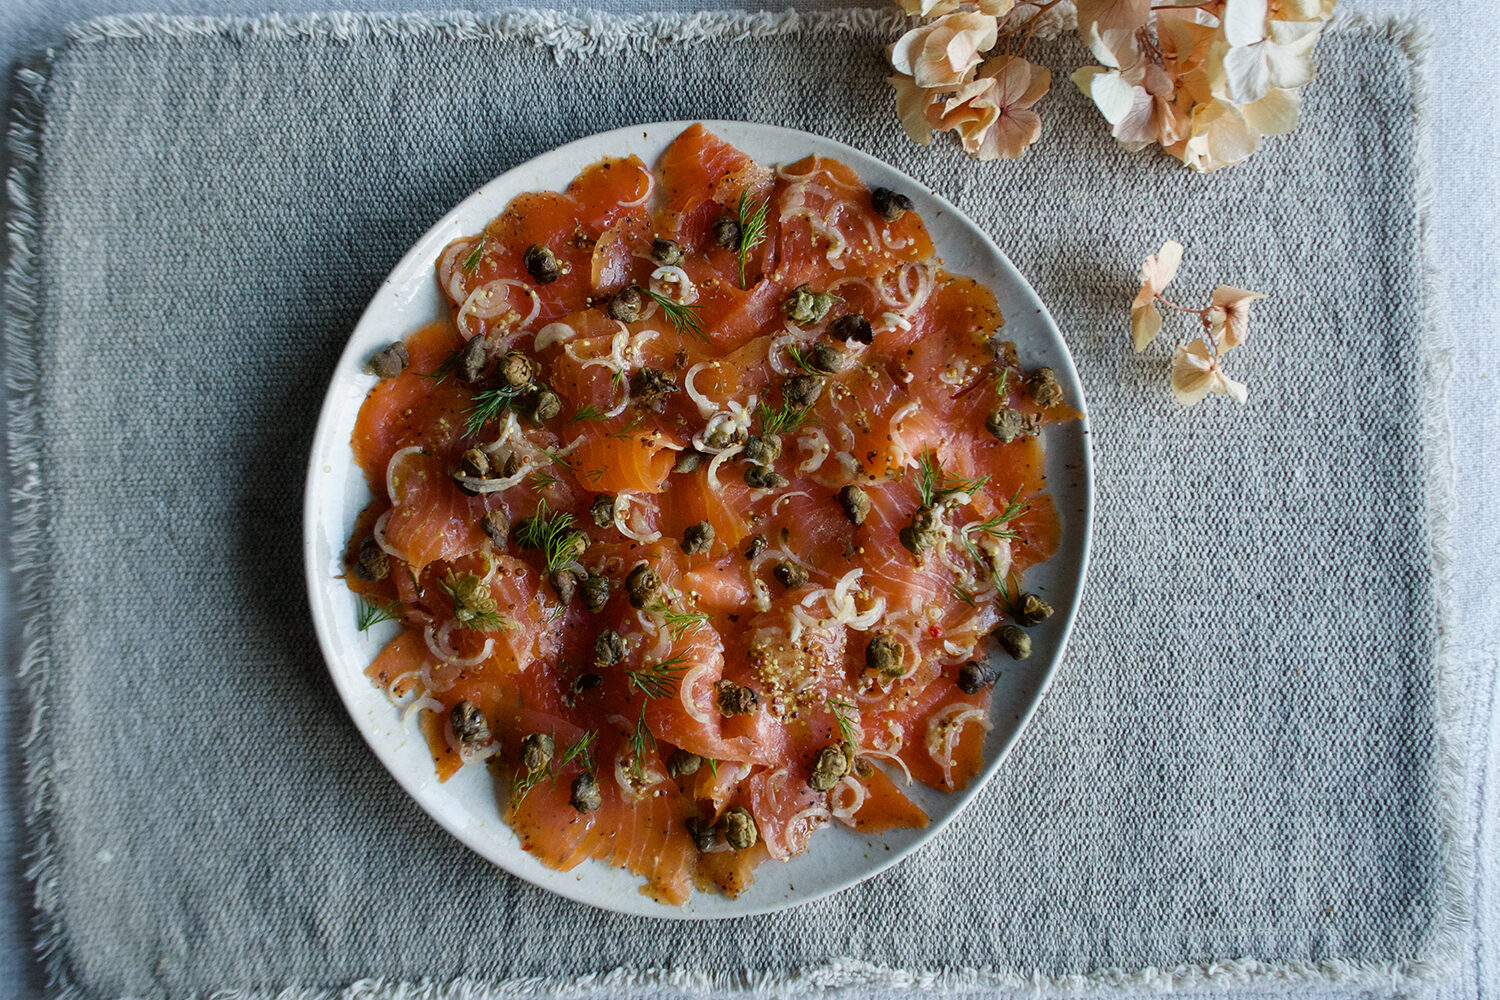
column 592, row 34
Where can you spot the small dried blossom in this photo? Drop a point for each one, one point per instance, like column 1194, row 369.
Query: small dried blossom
column 1197, row 369
column 946, row 52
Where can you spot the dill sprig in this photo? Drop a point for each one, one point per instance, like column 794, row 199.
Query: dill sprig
column 680, row 623
column 446, row 367
column 471, row 260
column 658, row 680
column 846, row 728
column 587, row 411
column 553, row 533
column 1002, row 384
column 623, row 434
column 783, row 420
column 488, row 405
column 580, row 749
column 640, row 741
column 963, row 594
column 713, row 765
column 933, row 484
column 683, row 317
column 800, row 360
column 752, row 228
column 372, row 614
column 523, row 781
column 541, row 480
column 594, row 475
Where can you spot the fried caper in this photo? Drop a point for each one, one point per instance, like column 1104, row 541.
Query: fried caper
column 757, row 545
column 474, row 464
column 545, row 405
column 974, row 677
column 642, row 586
column 496, row 524
column 609, row 648
column 564, row 583
column 602, row 510
column 734, row 699
column 473, row 360
column 516, row 369
column 373, row 564
column 727, row 232
column 1008, row 424
column 390, row 361
column 584, row 795
column 763, row 478
column 536, row 752
column 1044, row 388
column 651, row 387
column 925, row 530
column 802, row 390
column 542, row 264
column 688, row 460
column 885, row 655
column 683, row 763
column 666, row 253
column 762, row 449
column 825, row 359
column 1032, row 610
column 856, row 503
column 831, row 765
column 889, row 205
column 805, row 307
column 851, row 327
column 1015, row 641
column 697, row 538
column 738, row 827
column 625, row 305
column 789, row 574
column 594, row 590
column 469, row 726
column 705, row 835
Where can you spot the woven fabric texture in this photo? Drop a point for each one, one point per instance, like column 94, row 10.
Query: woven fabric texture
column 1238, row 777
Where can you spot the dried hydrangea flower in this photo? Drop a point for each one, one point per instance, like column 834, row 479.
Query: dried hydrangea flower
column 1196, row 373
column 945, row 52
column 1248, row 64
column 992, row 114
column 934, row 8
column 1156, row 274
column 1229, row 316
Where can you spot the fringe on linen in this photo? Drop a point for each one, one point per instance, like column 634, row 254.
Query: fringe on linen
column 593, row 34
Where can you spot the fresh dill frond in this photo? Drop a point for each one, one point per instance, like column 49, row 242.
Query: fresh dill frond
column 488, row 405
column 933, row 484
column 1002, row 384
column 783, row 420
column 587, row 411
column 471, row 261
column 372, row 614
column 556, row 613
column 617, row 377
column 541, row 480
column 640, row 742
column 623, row 434
column 474, row 604
column 713, row 765
column 658, row 680
column 680, row 623
column 995, row 525
column 594, row 475
column 800, row 360
column 838, row 707
column 752, row 229
column 553, row 534
column 683, row 317
column 964, row 594
column 446, row 367
column 521, row 784
column 580, row 749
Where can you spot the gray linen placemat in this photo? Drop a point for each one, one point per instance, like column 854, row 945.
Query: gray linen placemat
column 1239, row 778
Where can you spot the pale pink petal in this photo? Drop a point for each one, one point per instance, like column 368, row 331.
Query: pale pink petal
column 1145, row 324
column 1192, row 378
column 1009, row 135
column 1234, row 303
column 1159, row 270
column 1126, row 15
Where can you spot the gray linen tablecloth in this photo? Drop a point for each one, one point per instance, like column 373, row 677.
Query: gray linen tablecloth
column 1411, row 876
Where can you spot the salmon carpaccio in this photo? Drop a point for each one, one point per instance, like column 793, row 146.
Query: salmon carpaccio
column 697, row 513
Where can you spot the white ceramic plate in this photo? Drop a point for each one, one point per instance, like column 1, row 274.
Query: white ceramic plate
column 466, row 805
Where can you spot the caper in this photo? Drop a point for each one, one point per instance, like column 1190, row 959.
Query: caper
column 825, row 359
column 512, row 466
column 564, row 583
column 851, row 327
column 856, row 503
column 1008, row 424
column 727, row 232
column 545, row 406
column 390, row 361
column 1045, row 390
column 625, row 305
column 757, row 545
column 738, row 827
column 516, row 369
column 584, row 795
column 734, row 699
column 889, row 205
column 496, row 524
column 542, row 264
column 1015, row 641
column 666, row 253
column 683, row 763
column 536, row 752
column 469, row 726
column 802, row 390
column 372, row 564
column 789, row 574
column 762, row 450
column 763, row 478
column 609, row 648
column 581, row 683
column 697, row 538
column 651, row 387
column 705, row 836
column 1032, row 610
column 688, row 460
column 474, row 464
column 974, row 677
column 594, row 590
column 602, row 510
column 805, row 306
column 925, row 530
column 473, row 359
column 642, row 585
column 831, row 765
column 885, row 655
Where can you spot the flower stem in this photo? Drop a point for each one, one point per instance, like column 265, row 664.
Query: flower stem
column 1172, row 305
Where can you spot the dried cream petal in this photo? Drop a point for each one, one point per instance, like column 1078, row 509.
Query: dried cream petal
column 1145, row 324
column 912, row 103
column 1233, row 304
column 1192, row 374
column 1244, row 21
column 1125, row 15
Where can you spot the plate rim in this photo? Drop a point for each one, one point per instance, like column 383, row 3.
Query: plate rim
column 420, row 255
